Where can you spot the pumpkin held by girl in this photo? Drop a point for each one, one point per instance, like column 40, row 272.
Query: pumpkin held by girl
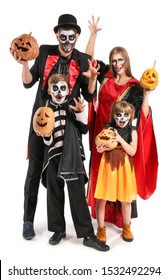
column 106, row 137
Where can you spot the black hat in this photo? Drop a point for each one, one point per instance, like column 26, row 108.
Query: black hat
column 67, row 20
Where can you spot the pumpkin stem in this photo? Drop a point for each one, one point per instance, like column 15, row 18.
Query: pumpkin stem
column 30, row 33
column 154, row 64
column 47, row 103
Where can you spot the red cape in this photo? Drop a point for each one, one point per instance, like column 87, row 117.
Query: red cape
column 146, row 158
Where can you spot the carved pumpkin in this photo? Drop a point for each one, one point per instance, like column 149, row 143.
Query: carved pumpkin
column 43, row 120
column 25, row 46
column 105, row 137
column 149, row 79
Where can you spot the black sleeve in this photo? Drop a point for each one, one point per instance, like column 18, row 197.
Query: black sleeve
column 37, row 69
column 135, row 97
column 83, row 128
column 81, row 85
column 35, row 73
column 103, row 70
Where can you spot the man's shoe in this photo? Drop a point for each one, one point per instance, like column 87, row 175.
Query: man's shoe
column 56, row 238
column 28, row 230
column 95, row 243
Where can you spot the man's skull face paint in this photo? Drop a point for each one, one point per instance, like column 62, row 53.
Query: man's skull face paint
column 59, row 92
column 67, row 39
column 121, row 119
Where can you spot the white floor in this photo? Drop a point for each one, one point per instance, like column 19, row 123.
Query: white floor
column 148, row 249
column 150, row 228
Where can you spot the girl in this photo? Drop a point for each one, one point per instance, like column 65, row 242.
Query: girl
column 116, row 177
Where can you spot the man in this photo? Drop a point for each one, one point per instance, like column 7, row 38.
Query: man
column 66, row 60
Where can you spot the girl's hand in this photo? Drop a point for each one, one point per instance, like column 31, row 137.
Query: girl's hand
column 102, row 148
column 117, row 136
column 93, row 26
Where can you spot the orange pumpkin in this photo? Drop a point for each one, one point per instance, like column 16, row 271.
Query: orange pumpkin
column 43, row 120
column 25, row 46
column 149, row 79
column 106, row 137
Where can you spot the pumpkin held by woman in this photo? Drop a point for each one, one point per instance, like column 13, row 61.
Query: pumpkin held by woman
column 149, row 79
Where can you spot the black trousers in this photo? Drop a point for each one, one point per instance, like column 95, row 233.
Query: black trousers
column 36, row 154
column 56, row 200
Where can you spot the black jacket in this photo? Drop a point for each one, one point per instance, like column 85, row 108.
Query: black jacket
column 79, row 62
column 73, row 155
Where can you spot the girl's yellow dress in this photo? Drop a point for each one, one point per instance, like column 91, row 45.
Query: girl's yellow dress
column 116, row 177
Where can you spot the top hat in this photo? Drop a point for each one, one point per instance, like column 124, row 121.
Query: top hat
column 67, row 20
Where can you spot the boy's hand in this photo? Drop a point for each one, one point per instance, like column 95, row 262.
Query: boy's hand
column 79, row 105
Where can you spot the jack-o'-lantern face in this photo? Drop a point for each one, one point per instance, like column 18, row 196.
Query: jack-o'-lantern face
column 43, row 121
column 25, row 46
column 106, row 137
column 149, row 79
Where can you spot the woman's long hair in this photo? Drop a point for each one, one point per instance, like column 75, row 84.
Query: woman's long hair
column 124, row 54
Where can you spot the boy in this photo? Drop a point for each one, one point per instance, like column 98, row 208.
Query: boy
column 63, row 162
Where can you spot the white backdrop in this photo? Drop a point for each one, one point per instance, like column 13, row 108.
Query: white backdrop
column 140, row 27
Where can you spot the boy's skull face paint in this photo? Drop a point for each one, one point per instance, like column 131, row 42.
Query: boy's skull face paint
column 59, row 92
column 67, row 39
column 121, row 119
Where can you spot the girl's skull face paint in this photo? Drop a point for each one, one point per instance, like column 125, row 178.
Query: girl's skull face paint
column 121, row 119
column 59, row 92
column 67, row 39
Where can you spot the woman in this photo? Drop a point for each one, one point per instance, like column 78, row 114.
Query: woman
column 117, row 83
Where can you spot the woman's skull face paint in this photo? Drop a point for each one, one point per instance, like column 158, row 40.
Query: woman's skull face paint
column 67, row 39
column 59, row 92
column 118, row 63
column 121, row 119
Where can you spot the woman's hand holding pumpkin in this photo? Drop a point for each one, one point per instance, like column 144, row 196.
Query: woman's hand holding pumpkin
column 146, row 92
